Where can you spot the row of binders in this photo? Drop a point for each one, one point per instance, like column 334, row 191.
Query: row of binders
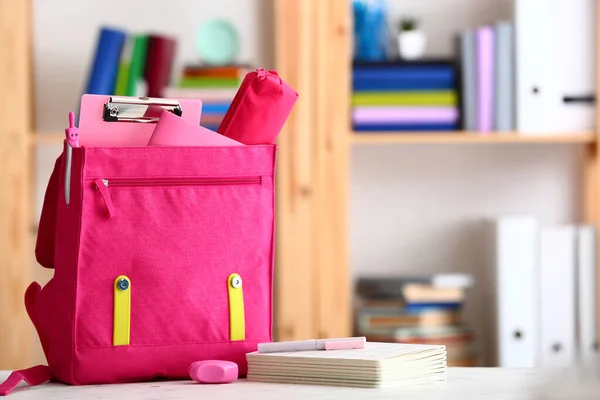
column 488, row 78
column 545, row 298
column 533, row 75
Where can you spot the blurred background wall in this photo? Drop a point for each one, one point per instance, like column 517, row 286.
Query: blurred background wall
column 413, row 208
column 404, row 199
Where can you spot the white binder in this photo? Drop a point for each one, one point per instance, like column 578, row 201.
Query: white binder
column 557, row 296
column 516, row 291
column 574, row 64
column 533, row 21
column 556, row 64
column 586, row 310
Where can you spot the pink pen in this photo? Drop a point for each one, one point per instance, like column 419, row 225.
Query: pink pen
column 72, row 134
column 319, row 344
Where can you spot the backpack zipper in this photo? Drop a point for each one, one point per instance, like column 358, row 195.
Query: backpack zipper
column 162, row 182
column 102, row 185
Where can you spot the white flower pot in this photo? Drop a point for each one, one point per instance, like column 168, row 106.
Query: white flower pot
column 411, row 44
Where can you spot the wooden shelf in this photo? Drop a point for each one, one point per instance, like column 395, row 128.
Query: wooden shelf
column 467, row 137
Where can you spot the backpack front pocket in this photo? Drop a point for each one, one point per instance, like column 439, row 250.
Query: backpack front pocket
column 179, row 241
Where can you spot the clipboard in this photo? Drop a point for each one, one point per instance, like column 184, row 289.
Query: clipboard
column 123, row 121
column 126, row 121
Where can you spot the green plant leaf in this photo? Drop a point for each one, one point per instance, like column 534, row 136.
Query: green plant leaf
column 408, row 24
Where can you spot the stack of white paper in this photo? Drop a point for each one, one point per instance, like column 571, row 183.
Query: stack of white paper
column 377, row 365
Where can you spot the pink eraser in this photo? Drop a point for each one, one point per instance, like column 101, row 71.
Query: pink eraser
column 213, row 371
column 346, row 344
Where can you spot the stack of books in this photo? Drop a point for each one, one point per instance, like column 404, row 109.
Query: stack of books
column 216, row 86
column 417, row 310
column 405, row 96
column 488, row 78
column 127, row 64
column 139, row 64
column 378, row 365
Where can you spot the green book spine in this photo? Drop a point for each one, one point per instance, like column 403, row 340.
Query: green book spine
column 202, row 82
column 122, row 75
column 136, row 67
column 433, row 98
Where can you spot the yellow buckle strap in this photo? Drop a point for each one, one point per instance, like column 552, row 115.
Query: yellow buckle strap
column 237, row 325
column 122, row 311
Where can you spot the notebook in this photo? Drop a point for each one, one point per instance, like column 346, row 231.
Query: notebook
column 172, row 130
column 378, row 365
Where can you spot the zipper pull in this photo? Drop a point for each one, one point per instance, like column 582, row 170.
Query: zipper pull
column 102, row 186
column 261, row 73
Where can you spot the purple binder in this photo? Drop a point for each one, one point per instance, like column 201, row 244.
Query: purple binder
column 485, row 79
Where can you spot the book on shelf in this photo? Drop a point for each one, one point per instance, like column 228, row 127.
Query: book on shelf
column 139, row 64
column 488, row 78
column 160, row 55
column 485, row 42
column 102, row 77
column 419, row 310
column 130, row 81
column 128, row 64
column 215, row 85
column 371, row 287
column 420, row 293
column 504, row 78
column 468, row 84
column 428, row 318
column 216, row 71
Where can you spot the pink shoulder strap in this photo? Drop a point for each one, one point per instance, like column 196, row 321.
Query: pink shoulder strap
column 33, row 376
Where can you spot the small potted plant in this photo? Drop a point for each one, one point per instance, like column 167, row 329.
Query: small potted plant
column 411, row 41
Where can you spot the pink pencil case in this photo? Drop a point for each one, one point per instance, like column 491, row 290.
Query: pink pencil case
column 259, row 109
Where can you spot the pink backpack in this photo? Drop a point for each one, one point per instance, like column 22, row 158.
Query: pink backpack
column 163, row 257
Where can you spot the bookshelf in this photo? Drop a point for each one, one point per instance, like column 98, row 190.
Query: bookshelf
column 314, row 174
column 312, row 272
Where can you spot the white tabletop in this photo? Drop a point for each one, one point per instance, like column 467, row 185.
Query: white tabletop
column 463, row 383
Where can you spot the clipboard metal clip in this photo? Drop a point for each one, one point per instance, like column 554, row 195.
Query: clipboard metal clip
column 138, row 109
